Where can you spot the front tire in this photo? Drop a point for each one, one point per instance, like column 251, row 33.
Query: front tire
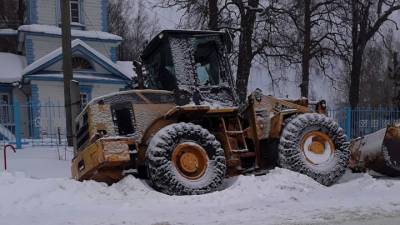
column 316, row 146
column 185, row 159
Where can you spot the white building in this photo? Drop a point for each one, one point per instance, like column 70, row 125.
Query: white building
column 34, row 77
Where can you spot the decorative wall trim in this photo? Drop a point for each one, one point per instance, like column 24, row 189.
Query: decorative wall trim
column 113, row 54
column 104, row 15
column 29, row 51
column 32, row 11
column 35, row 111
column 81, row 38
column 82, row 13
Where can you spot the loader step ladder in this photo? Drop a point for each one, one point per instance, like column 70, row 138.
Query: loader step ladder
column 230, row 133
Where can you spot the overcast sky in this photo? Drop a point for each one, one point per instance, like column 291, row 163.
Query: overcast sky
column 168, row 17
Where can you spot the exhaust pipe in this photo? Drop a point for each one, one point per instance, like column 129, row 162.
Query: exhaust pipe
column 379, row 151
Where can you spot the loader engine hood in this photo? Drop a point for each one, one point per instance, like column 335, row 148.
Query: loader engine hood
column 121, row 114
column 192, row 64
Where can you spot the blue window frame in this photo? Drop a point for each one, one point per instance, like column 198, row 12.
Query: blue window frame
column 86, row 94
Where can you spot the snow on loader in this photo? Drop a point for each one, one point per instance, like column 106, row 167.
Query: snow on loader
column 379, row 151
column 186, row 132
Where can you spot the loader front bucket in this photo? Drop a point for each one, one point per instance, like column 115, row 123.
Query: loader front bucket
column 379, row 151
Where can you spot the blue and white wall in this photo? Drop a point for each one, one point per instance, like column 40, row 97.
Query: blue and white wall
column 93, row 13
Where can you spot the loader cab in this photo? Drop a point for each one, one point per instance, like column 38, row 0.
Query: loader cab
column 193, row 64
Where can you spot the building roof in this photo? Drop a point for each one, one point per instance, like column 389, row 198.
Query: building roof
column 11, row 66
column 77, row 45
column 47, row 29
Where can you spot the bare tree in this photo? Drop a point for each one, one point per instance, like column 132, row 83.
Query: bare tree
column 365, row 19
column 197, row 14
column 12, row 13
column 131, row 21
column 304, row 34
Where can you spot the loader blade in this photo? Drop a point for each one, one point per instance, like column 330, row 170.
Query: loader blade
column 379, row 151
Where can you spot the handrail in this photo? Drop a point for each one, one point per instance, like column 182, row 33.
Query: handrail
column 5, row 154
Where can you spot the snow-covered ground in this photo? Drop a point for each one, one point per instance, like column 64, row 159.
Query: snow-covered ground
column 37, row 190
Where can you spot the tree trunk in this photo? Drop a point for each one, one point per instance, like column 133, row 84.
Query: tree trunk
column 305, row 65
column 354, row 92
column 248, row 18
column 21, row 12
column 213, row 14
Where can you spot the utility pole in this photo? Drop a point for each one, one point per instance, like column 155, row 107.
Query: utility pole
column 67, row 66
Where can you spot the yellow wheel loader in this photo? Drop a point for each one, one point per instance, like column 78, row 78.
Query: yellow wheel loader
column 185, row 131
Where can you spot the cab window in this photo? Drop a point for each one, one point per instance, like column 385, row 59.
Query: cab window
column 161, row 71
column 207, row 63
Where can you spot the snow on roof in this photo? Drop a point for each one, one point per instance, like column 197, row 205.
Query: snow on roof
column 35, row 65
column 79, row 76
column 127, row 68
column 11, row 67
column 75, row 33
column 8, row 32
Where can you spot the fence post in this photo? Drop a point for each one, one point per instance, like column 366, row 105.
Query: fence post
column 348, row 122
column 17, row 121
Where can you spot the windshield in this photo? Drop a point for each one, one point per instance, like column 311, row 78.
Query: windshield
column 161, row 72
column 207, row 62
column 193, row 61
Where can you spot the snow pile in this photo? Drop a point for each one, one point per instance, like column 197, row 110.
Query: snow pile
column 281, row 197
column 11, row 67
column 40, row 162
column 47, row 29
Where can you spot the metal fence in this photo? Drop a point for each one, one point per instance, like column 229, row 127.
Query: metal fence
column 365, row 120
column 32, row 124
column 44, row 124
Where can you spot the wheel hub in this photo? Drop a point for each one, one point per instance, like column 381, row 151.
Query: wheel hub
column 190, row 160
column 317, row 147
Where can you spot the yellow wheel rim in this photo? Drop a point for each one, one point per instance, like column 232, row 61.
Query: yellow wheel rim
column 190, row 159
column 317, row 147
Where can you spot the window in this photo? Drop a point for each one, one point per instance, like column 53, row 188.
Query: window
column 84, row 100
column 75, row 17
column 161, row 71
column 79, row 63
column 5, row 108
column 123, row 117
column 207, row 63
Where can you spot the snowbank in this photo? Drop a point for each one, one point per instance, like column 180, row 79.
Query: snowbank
column 281, row 197
column 40, row 162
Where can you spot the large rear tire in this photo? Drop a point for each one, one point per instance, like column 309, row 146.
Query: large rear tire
column 185, row 159
column 314, row 145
